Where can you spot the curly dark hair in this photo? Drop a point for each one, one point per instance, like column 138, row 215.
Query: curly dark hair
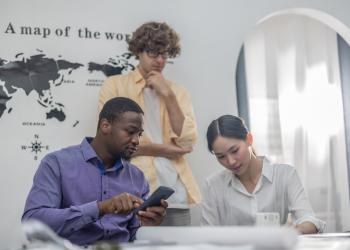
column 155, row 37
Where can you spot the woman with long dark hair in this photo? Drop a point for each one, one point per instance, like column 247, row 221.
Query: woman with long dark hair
column 250, row 184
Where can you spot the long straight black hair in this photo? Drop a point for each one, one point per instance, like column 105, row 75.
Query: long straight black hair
column 227, row 126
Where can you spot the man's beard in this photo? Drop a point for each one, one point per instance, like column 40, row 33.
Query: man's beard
column 126, row 156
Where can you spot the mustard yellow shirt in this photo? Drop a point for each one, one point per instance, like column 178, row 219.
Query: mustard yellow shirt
column 131, row 86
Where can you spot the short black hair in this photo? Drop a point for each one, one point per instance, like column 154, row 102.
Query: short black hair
column 229, row 126
column 116, row 106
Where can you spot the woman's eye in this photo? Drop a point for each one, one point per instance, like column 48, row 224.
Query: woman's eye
column 235, row 150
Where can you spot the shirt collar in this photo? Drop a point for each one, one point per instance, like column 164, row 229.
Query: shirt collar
column 118, row 165
column 267, row 172
column 138, row 78
column 139, row 81
column 89, row 154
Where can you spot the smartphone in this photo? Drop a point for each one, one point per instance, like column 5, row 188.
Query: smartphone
column 162, row 192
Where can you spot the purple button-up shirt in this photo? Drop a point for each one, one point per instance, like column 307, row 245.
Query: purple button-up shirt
column 67, row 186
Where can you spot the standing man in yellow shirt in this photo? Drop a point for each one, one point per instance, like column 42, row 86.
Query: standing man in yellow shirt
column 170, row 127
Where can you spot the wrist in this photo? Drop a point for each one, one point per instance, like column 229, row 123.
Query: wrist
column 169, row 96
column 101, row 208
column 166, row 93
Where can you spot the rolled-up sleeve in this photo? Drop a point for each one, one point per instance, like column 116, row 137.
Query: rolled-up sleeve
column 299, row 204
column 188, row 136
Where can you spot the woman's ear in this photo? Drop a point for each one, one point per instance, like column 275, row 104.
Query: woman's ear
column 249, row 139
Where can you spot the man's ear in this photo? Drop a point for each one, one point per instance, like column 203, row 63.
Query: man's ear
column 249, row 139
column 105, row 126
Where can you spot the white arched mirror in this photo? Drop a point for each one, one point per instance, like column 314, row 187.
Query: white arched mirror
column 292, row 74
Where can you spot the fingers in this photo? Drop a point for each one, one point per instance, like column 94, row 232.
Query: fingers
column 187, row 150
column 135, row 199
column 152, row 73
column 156, row 81
column 164, row 203
column 152, row 76
column 127, row 204
column 153, row 216
column 150, row 219
column 175, row 151
column 124, row 203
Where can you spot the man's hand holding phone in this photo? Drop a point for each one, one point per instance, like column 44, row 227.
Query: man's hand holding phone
column 120, row 204
column 153, row 216
column 152, row 211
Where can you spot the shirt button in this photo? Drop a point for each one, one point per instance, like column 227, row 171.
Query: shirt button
column 104, row 192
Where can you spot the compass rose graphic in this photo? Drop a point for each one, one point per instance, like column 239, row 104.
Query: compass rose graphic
column 36, row 147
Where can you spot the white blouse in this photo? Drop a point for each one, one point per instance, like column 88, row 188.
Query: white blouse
column 227, row 202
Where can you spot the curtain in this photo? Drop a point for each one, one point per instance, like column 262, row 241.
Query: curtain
column 295, row 108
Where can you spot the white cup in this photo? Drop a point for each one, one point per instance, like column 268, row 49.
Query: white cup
column 267, row 219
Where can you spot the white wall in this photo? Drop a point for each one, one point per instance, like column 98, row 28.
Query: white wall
column 212, row 33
